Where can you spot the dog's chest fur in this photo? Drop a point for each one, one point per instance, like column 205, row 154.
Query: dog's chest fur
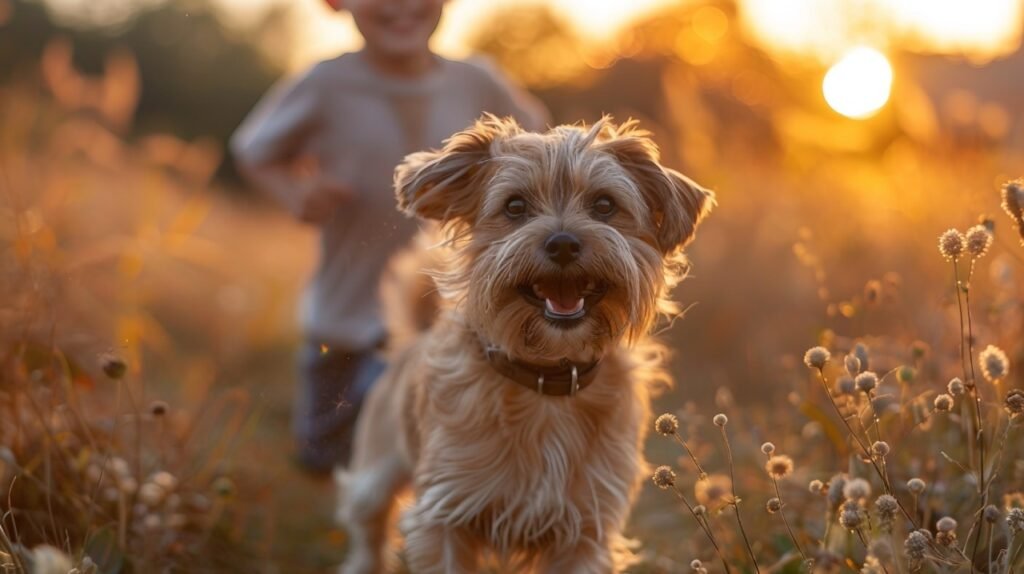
column 521, row 470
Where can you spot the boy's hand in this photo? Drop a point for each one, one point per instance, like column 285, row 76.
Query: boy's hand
column 321, row 199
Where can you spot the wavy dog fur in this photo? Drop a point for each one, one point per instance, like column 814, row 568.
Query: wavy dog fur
column 498, row 471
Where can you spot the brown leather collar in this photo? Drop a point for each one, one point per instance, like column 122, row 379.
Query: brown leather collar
column 564, row 379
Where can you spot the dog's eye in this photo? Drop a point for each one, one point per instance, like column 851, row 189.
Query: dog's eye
column 604, row 206
column 515, row 207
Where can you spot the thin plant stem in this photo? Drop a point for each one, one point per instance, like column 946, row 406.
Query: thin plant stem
column 736, row 500
column 693, row 457
column 706, row 528
column 960, row 307
column 782, row 513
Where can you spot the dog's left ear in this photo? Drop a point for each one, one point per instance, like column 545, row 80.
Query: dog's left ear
column 443, row 184
column 677, row 203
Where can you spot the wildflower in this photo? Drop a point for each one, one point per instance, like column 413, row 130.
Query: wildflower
column 994, row 363
column 852, row 364
column 1014, row 402
column 991, row 514
column 835, row 490
column 779, row 466
column 916, row 485
column 860, row 350
column 886, row 505
column 918, row 350
column 955, row 387
column 773, row 505
column 664, row 477
column 947, row 531
column 113, row 366
column 951, row 244
column 700, row 510
column 816, row 487
column 151, row 494
column 978, row 241
column 846, row 386
column 816, row 357
column 873, row 292
column 714, row 492
column 915, row 546
column 720, row 420
column 857, row 489
column 943, row 403
column 880, row 448
column 158, row 408
column 851, row 516
column 866, row 381
column 1013, row 201
column 666, row 424
column 1015, row 520
column 224, row 487
column 767, row 448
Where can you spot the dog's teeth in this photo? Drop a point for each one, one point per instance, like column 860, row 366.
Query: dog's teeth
column 557, row 309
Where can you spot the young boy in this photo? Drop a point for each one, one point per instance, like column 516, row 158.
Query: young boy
column 325, row 145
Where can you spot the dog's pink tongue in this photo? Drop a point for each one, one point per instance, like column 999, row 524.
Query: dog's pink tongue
column 563, row 297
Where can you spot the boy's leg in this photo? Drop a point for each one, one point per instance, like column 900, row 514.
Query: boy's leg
column 332, row 386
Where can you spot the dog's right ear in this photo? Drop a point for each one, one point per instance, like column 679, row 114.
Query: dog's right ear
column 442, row 184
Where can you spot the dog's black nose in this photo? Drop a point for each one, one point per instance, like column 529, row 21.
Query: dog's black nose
column 562, row 248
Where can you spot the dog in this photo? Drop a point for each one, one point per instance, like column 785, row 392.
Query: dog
column 518, row 418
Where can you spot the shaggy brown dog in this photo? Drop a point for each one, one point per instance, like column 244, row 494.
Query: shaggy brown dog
column 519, row 417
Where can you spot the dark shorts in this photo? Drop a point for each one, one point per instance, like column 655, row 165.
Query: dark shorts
column 332, row 386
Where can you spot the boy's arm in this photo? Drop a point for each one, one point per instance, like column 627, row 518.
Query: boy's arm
column 267, row 149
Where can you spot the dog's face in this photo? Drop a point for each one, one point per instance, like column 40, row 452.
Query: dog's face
column 564, row 242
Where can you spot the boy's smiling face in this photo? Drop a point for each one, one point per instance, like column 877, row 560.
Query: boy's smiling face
column 395, row 28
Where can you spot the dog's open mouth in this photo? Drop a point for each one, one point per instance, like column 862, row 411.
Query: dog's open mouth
column 564, row 299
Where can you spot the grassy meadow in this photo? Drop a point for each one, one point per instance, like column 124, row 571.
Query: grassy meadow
column 847, row 390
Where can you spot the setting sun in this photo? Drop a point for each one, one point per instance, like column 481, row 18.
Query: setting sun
column 858, row 84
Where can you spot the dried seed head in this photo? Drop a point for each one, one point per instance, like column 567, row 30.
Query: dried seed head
column 773, row 505
column 666, row 424
column 835, row 490
column 851, row 516
column 866, row 381
column 943, row 403
column 916, row 485
column 664, row 477
column 905, row 374
column 860, row 350
column 857, row 489
column 852, row 364
column 846, row 386
column 918, row 350
column 224, row 487
column 720, row 420
column 946, row 524
column 816, row 357
column 1015, row 520
column 113, row 366
column 947, row 539
column 700, row 510
column 916, row 544
column 715, row 491
column 994, row 364
column 873, row 292
column 158, row 408
column 951, row 244
column 955, row 387
column 1013, row 202
column 767, row 448
column 779, row 466
column 978, row 241
column 886, row 505
column 816, row 487
column 1014, row 402
column 880, row 448
column 991, row 514
column 696, row 565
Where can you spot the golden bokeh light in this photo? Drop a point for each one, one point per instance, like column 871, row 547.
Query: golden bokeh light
column 858, row 85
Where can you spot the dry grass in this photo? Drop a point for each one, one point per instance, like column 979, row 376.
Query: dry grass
column 116, row 249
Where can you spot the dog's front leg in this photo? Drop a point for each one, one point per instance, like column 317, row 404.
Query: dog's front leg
column 433, row 548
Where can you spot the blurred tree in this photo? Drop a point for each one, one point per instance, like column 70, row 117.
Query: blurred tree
column 198, row 77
